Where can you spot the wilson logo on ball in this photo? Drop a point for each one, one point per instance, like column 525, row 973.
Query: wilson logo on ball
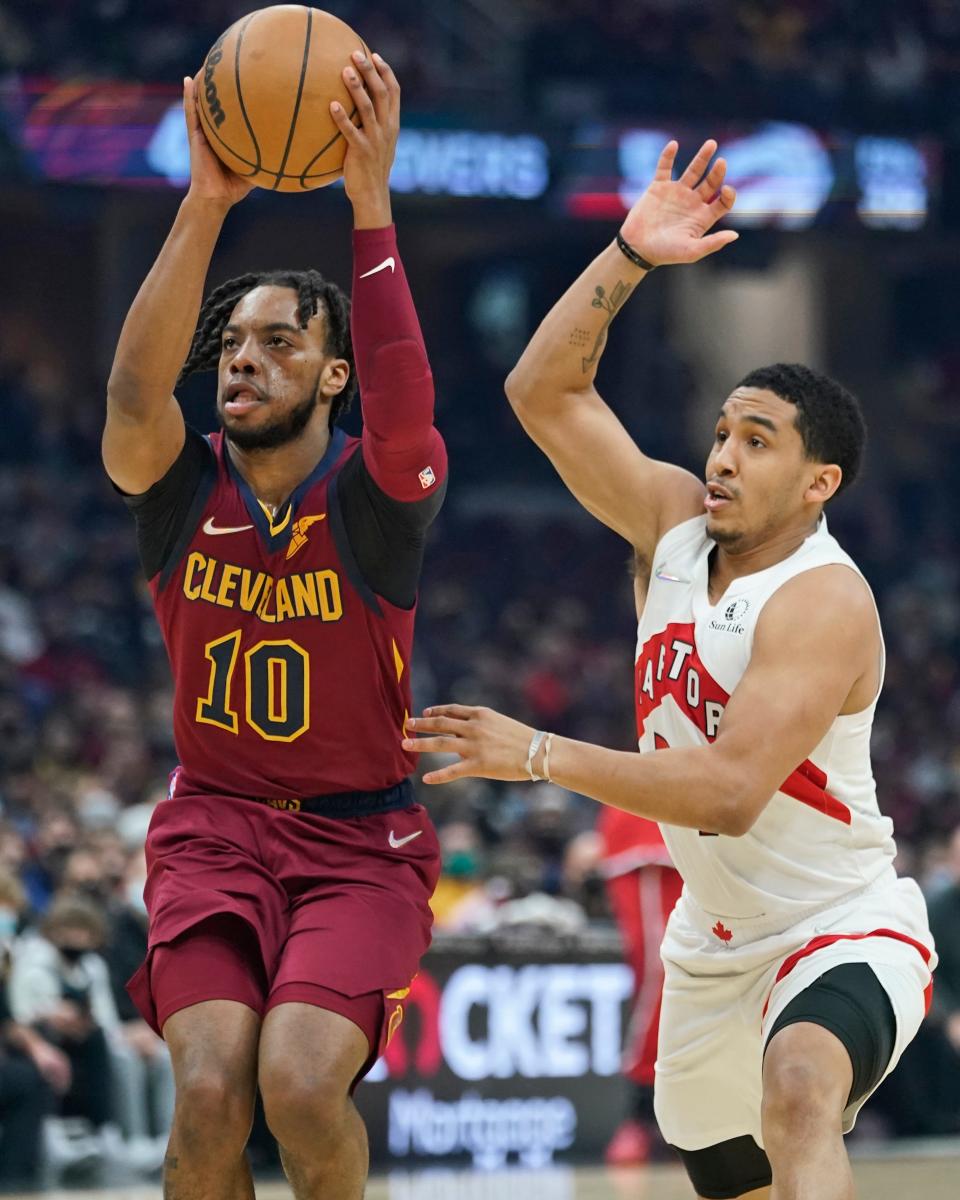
column 215, row 108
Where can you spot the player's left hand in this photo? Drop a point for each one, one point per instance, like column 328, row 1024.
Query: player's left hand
column 371, row 146
column 490, row 745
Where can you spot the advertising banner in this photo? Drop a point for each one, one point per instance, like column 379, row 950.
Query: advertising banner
column 507, row 1053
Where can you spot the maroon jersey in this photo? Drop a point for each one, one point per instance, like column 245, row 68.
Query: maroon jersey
column 291, row 676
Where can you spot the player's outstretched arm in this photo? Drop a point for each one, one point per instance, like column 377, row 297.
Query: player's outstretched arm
column 144, row 430
column 802, row 675
column 402, row 451
column 552, row 388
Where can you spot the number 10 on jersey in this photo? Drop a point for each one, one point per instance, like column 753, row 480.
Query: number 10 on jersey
column 277, row 687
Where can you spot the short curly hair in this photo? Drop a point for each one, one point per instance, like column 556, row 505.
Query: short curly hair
column 829, row 418
column 313, row 293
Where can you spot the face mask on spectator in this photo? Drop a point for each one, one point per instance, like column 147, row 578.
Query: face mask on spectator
column 8, row 924
column 55, row 859
column 94, row 889
column 461, row 864
column 72, row 954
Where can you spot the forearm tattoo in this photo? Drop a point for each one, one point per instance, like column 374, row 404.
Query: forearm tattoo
column 611, row 305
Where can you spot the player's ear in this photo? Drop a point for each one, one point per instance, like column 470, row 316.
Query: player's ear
column 335, row 376
column 825, row 484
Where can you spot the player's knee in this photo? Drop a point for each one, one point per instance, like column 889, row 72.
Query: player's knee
column 795, row 1099
column 298, row 1103
column 214, row 1108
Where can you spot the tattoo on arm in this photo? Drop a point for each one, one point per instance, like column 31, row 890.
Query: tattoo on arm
column 611, row 305
column 580, row 338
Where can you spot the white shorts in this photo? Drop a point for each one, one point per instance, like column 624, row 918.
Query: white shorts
column 726, row 982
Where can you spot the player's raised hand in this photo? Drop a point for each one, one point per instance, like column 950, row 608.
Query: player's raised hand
column 372, row 144
column 490, row 745
column 670, row 221
column 209, row 178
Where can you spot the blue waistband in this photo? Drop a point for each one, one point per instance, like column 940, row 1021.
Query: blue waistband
column 340, row 805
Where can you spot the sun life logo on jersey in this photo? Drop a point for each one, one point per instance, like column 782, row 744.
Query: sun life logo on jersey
column 731, row 617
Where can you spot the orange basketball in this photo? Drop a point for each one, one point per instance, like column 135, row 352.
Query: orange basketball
column 265, row 92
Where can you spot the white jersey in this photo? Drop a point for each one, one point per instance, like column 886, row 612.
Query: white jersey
column 821, row 837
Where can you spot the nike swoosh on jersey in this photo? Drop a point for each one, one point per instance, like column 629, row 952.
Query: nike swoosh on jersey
column 396, row 842
column 667, row 577
column 215, row 530
column 387, row 262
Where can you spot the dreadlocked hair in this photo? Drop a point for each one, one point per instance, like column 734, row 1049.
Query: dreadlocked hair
column 313, row 291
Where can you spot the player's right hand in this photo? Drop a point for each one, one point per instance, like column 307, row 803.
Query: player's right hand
column 669, row 223
column 209, row 178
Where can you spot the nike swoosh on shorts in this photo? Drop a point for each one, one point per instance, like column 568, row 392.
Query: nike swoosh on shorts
column 396, row 842
column 387, row 262
column 214, row 530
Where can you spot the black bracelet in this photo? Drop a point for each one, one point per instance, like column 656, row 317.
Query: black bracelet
column 637, row 259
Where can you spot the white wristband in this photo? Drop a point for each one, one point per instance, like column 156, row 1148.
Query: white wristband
column 535, row 743
column 546, row 758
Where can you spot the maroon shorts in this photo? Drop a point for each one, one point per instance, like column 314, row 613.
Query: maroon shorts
column 332, row 912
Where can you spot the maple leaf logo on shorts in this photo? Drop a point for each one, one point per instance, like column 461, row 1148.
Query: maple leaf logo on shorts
column 723, row 934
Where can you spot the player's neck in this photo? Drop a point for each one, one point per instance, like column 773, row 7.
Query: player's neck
column 274, row 474
column 728, row 563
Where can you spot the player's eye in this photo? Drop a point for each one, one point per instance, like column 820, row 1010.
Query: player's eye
column 228, row 343
column 755, row 442
column 276, row 340
column 721, row 435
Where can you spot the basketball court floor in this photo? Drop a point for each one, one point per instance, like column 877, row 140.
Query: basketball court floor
column 930, row 1172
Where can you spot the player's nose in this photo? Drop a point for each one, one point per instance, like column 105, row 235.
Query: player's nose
column 245, row 361
column 724, row 461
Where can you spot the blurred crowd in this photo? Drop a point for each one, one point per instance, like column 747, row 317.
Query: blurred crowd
column 816, row 61
column 883, row 61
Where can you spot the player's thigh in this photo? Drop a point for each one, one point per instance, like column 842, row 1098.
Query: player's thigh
column 305, row 1041
column 838, row 1035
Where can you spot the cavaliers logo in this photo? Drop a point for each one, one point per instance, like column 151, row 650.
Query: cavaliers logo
column 299, row 537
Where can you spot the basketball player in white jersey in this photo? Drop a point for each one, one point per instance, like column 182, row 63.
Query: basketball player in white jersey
column 797, row 965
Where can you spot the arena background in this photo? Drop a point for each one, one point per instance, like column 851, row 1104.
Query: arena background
column 527, row 128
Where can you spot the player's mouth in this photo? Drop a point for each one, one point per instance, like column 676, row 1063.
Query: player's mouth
column 717, row 498
column 240, row 398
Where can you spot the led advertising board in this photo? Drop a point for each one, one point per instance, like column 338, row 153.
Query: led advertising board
column 502, row 1058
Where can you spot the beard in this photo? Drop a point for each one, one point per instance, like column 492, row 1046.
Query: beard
column 725, row 537
column 278, row 432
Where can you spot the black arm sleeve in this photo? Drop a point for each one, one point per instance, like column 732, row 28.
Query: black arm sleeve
column 387, row 536
column 163, row 513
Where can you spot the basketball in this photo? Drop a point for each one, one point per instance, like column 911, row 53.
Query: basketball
column 265, row 91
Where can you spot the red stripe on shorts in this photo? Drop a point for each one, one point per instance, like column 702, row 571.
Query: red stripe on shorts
column 828, row 939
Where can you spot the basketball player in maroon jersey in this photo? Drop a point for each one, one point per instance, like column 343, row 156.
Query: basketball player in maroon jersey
column 290, row 869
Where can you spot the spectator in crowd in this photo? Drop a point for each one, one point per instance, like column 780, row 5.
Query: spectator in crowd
column 145, row 1079
column 56, row 838
column 32, row 1070
column 59, row 986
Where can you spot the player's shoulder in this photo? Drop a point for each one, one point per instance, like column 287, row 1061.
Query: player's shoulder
column 830, row 598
